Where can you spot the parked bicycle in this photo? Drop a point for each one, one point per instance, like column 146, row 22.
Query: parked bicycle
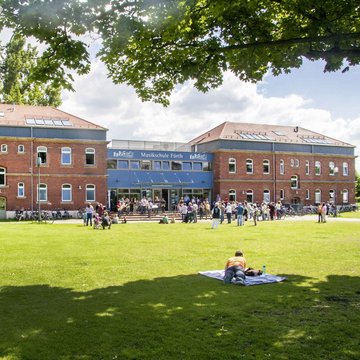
column 43, row 217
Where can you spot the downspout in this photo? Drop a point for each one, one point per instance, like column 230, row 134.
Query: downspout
column 32, row 168
column 274, row 170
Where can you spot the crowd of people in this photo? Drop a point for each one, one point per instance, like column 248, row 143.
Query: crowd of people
column 193, row 209
column 221, row 211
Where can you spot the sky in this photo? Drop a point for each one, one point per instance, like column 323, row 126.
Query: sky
column 327, row 103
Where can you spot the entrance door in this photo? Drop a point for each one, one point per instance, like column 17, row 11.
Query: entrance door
column 165, row 196
column 2, row 207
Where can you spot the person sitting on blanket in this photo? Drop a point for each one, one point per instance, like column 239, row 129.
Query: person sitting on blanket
column 235, row 269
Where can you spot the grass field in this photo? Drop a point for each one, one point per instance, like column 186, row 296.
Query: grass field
column 133, row 292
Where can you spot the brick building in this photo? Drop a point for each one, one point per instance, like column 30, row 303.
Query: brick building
column 270, row 163
column 63, row 153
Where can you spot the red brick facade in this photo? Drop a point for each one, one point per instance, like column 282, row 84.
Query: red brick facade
column 73, row 160
column 339, row 187
column 21, row 168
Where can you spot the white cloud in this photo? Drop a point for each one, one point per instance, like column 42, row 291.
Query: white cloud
column 97, row 99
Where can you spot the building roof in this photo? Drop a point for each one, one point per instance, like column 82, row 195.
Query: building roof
column 42, row 117
column 266, row 133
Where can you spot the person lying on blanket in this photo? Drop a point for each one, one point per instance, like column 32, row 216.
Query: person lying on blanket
column 235, row 269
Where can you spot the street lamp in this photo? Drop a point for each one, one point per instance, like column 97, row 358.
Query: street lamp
column 38, row 163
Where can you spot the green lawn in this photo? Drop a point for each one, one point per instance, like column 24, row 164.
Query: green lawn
column 132, row 292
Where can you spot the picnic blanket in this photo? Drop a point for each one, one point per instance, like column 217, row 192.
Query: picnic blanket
column 249, row 280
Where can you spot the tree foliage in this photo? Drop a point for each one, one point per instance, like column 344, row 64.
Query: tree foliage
column 17, row 84
column 153, row 45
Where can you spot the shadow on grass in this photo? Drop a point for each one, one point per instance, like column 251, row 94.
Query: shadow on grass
column 183, row 317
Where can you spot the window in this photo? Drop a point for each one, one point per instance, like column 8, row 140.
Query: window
column 282, row 167
column 187, row 166
column 21, row 149
column 2, row 177
column 123, row 164
column 331, row 195
column 266, row 197
column 307, row 167
column 232, row 195
column 157, row 165
column 4, row 148
column 66, row 193
column 294, row 183
column 166, row 165
column 89, row 156
column 292, row 162
column 90, row 193
column 21, row 190
column 175, row 165
column 317, row 168
column 207, row 166
column 249, row 166
column 317, row 196
column 345, row 196
column 331, row 168
column 266, row 166
column 197, row 166
column 65, row 156
column 345, row 169
column 249, row 196
column 146, row 165
column 232, row 165
column 111, row 164
column 42, row 192
column 296, row 162
column 42, row 154
column 134, row 164
column 282, row 194
column 307, row 194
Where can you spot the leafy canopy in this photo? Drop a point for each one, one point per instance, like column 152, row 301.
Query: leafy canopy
column 17, row 84
column 153, row 45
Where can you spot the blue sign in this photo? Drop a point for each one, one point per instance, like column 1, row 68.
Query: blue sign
column 158, row 155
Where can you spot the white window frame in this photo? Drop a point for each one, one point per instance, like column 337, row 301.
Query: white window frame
column 4, row 148
column 90, row 188
column 42, row 154
column 89, row 151
column 266, row 164
column 250, row 196
column 66, row 188
column 294, row 178
column 282, row 167
column 21, row 149
column 345, row 196
column 317, row 168
column 266, row 196
column 66, row 153
column 331, row 168
column 42, row 192
column 2, row 176
column 250, row 164
column 232, row 163
column 345, row 169
column 317, row 196
column 307, row 194
column 232, row 195
column 21, row 190
column 307, row 167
